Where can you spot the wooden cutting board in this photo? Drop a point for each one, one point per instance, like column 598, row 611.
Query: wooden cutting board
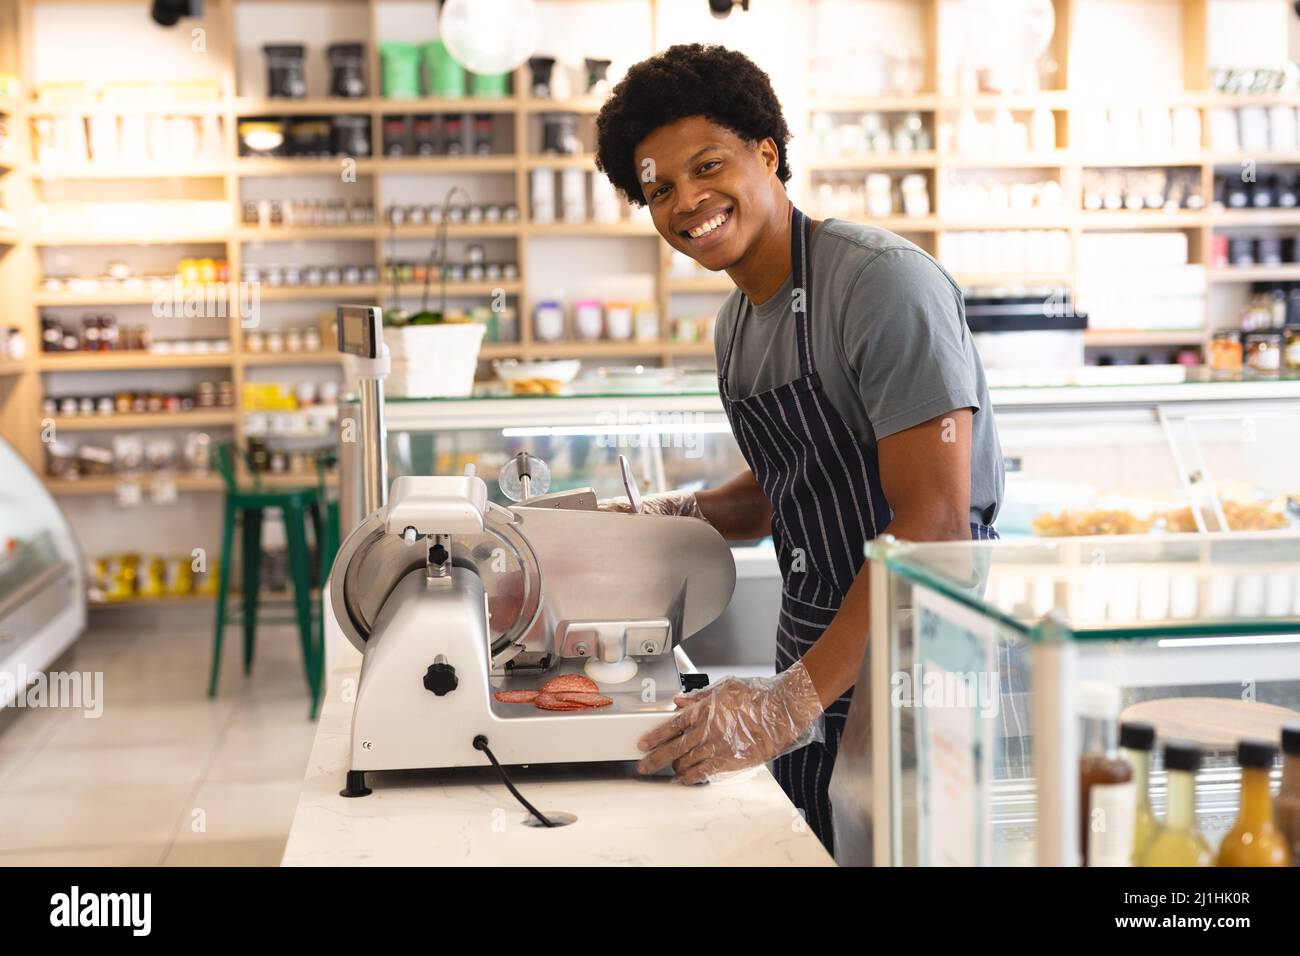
column 1216, row 723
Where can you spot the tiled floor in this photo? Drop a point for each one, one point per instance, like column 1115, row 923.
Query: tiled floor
column 166, row 775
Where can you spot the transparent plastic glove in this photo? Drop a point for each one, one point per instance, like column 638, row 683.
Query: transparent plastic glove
column 734, row 725
column 679, row 503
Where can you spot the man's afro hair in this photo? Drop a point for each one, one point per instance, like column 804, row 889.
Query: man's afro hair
column 689, row 79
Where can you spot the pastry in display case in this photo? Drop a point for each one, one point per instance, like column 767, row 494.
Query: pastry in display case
column 42, row 587
column 1176, row 458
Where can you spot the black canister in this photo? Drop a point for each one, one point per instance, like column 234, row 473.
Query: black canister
column 309, row 136
column 597, row 83
column 1241, row 251
column 347, row 63
column 1269, row 251
column 560, row 133
column 350, row 135
column 424, row 135
column 286, row 76
column 541, row 67
column 397, row 136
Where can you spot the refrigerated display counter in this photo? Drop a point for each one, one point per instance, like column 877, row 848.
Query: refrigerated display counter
column 1192, row 456
column 42, row 581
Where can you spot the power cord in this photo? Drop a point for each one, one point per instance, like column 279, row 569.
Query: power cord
column 481, row 743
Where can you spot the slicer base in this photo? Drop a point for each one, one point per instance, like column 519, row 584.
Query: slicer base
column 356, row 785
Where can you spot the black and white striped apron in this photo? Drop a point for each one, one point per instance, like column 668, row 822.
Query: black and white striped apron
column 827, row 502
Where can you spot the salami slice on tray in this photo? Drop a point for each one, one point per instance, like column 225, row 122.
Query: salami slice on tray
column 570, row 683
column 553, row 702
column 516, row 696
column 587, row 700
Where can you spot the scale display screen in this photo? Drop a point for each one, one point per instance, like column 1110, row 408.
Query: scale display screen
column 360, row 330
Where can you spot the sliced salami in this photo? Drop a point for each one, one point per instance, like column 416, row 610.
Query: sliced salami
column 516, row 696
column 553, row 702
column 587, row 700
column 570, row 683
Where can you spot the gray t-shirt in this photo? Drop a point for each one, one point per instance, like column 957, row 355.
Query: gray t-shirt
column 889, row 340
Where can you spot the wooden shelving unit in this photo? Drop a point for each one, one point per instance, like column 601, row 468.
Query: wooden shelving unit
column 127, row 422
column 1283, row 273
column 521, row 111
column 185, row 484
column 129, row 361
column 1068, row 105
column 290, row 358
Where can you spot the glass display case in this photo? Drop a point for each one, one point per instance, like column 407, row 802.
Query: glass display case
column 963, row 746
column 42, row 583
column 1149, row 452
column 1196, row 455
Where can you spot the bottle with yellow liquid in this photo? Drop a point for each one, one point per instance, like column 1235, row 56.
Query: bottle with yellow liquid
column 1254, row 839
column 1179, row 842
column 1136, row 742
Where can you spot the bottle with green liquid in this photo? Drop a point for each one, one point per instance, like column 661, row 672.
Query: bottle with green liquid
column 1136, row 742
column 1179, row 841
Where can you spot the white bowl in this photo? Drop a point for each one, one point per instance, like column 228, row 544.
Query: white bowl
column 513, row 370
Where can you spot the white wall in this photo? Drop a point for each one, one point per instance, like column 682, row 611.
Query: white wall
column 119, row 42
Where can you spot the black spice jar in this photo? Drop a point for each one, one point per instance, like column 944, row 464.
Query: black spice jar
column 350, row 135
column 397, row 136
column 424, row 135
column 286, row 76
column 541, row 67
column 347, row 77
column 310, row 136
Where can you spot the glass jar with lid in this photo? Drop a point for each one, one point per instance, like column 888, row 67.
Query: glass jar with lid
column 1291, row 348
column 1225, row 352
column 1264, row 352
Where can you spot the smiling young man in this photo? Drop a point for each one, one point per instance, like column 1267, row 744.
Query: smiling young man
column 851, row 384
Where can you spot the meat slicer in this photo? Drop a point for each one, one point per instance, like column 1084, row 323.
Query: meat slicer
column 451, row 598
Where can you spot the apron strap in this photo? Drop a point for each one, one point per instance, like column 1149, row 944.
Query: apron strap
column 800, row 298
column 801, row 290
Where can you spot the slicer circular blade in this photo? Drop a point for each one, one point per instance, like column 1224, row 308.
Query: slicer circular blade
column 371, row 562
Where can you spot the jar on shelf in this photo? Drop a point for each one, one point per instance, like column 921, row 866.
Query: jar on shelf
column 548, row 321
column 1264, row 352
column 508, row 325
column 618, row 321
column 1226, row 352
column 645, row 320
column 1291, row 348
column 588, row 320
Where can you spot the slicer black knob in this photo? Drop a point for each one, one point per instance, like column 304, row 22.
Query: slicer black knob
column 440, row 678
column 695, row 681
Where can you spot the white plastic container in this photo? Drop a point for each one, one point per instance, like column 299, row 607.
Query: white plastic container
column 543, row 194
column 433, row 361
column 573, row 195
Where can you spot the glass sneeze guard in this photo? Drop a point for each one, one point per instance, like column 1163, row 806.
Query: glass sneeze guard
column 963, row 743
column 1114, row 587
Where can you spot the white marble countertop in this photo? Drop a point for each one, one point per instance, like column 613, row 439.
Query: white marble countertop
column 466, row 817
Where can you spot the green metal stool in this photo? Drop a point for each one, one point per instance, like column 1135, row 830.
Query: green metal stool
column 246, row 504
